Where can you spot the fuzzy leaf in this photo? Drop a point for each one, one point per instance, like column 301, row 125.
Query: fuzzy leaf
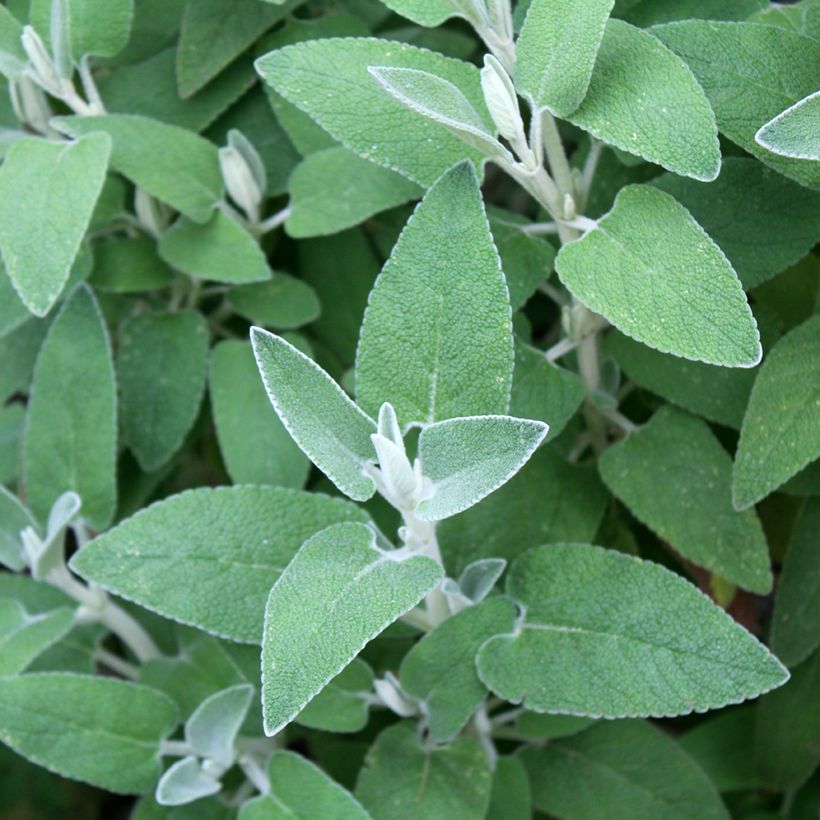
column 99, row 730
column 340, row 707
column 609, row 635
column 331, row 430
column 208, row 557
column 652, row 271
column 339, row 592
column 170, row 163
column 184, row 782
column 660, row 113
column 128, row 264
column 23, row 636
column 556, row 52
column 283, row 302
column 675, row 457
column 74, row 372
column 510, row 798
column 357, row 112
column 54, row 184
column 781, row 428
column 429, row 13
column 465, row 459
column 14, row 517
column 98, row 27
column 436, row 341
column 794, row 132
column 212, row 729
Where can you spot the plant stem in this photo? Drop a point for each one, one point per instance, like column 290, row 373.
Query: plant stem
column 174, row 748
column 255, row 773
column 272, row 222
column 556, row 155
column 116, row 663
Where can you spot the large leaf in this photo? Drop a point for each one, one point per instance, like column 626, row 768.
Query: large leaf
column 54, row 184
column 209, row 557
column 794, row 132
column 676, row 456
column 256, row 447
column 609, row 635
column 436, row 341
column 161, row 367
column 73, row 390
column 170, row 163
column 331, row 430
column 329, row 80
column 403, row 779
column 100, row 730
column 659, row 112
column 750, row 73
column 781, row 428
column 465, row 459
column 556, row 52
column 652, row 271
column 634, row 769
column 338, row 593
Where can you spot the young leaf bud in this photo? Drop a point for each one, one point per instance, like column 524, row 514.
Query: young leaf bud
column 60, row 34
column 499, row 94
column 500, row 15
column 243, row 173
column 42, row 69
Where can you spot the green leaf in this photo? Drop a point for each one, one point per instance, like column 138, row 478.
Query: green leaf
column 329, row 428
column 465, row 459
column 762, row 222
column 510, row 798
column 99, row 730
column 334, row 189
column 430, row 13
column 23, row 636
column 255, row 446
column 556, row 52
column 14, row 517
column 13, row 58
column 609, row 635
column 676, row 456
column 537, row 726
column 794, row 634
column 128, row 264
column 170, row 163
column 794, row 132
column 341, row 584
column 788, row 727
column 436, row 341
column 634, row 769
column 781, row 428
column 161, row 366
column 184, row 782
column 212, row 729
column 403, row 779
column 221, row 250
column 652, row 271
column 282, row 302
column 74, row 372
column 299, row 788
column 216, row 32
column 12, row 421
column 208, row 557
column 18, row 352
column 750, row 73
column 98, row 27
column 54, row 184
column 651, row 12
column 384, row 127
column 549, row 500
column 12, row 310
column 440, row 668
column 660, row 113
column 340, row 707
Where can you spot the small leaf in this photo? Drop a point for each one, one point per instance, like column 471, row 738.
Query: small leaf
column 212, row 729
column 283, row 302
column 436, row 340
column 14, row 517
column 794, row 634
column 23, row 636
column 54, row 184
column 331, row 430
column 556, row 52
column 674, row 457
column 184, row 782
column 440, row 668
column 631, row 767
column 74, row 371
column 465, row 459
column 170, row 163
column 652, row 271
column 220, row 250
column 385, row 127
column 98, row 27
column 99, row 730
column 609, row 635
column 208, row 557
column 794, row 132
column 340, row 707
column 256, row 447
column 161, row 366
column 341, row 584
column 402, row 778
column 660, row 114
column 781, row 428
column 429, row 13
column 299, row 788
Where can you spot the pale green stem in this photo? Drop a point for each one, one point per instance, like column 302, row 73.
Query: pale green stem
column 273, row 222
column 556, row 155
column 116, row 663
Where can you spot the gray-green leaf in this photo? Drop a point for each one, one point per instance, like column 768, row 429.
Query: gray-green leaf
column 212, row 729
column 98, row 27
column 794, row 132
column 652, row 271
column 338, row 593
column 14, row 517
column 340, row 707
column 23, row 636
column 609, row 635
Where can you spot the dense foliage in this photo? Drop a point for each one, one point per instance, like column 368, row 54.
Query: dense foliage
column 462, row 359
